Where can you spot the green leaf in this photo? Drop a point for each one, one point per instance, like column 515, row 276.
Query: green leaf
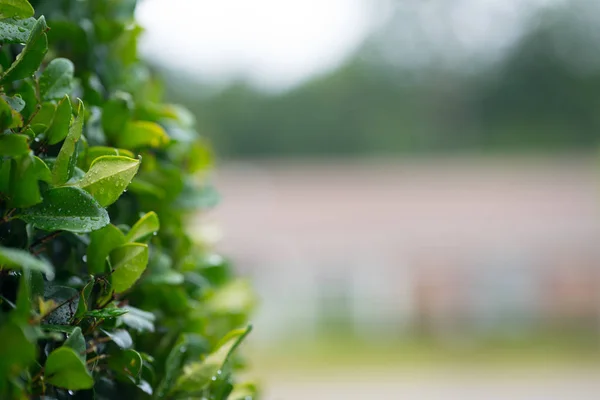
column 32, row 55
column 9, row 118
column 128, row 364
column 65, row 162
column 108, row 177
column 16, row 351
column 16, row 9
column 234, row 298
column 139, row 320
column 140, row 134
column 197, row 375
column 13, row 30
column 44, row 117
column 57, row 79
column 61, row 122
column 106, row 313
column 12, row 144
column 65, row 369
column 116, row 112
column 20, row 259
column 102, row 242
column 99, row 151
column 145, row 227
column 129, row 262
column 85, row 298
column 243, row 391
column 67, row 208
column 25, row 173
column 76, row 341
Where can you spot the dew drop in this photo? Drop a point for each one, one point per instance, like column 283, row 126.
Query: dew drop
column 84, row 258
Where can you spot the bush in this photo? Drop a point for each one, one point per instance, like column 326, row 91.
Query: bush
column 103, row 294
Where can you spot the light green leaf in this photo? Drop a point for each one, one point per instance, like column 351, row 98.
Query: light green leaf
column 16, row 9
column 65, row 162
column 57, row 79
column 20, row 259
column 61, row 122
column 102, row 242
column 234, row 298
column 13, row 30
column 197, row 375
column 243, row 391
column 32, row 55
column 129, row 262
column 12, row 144
column 139, row 134
column 43, row 119
column 99, row 151
column 145, row 227
column 67, row 208
column 65, row 369
column 108, row 177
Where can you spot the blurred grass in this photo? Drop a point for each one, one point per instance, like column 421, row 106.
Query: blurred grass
column 341, row 353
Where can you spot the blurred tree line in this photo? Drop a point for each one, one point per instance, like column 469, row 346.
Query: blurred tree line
column 542, row 95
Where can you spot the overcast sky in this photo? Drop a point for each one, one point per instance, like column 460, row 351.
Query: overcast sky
column 280, row 43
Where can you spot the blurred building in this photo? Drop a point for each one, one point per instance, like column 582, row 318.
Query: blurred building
column 444, row 247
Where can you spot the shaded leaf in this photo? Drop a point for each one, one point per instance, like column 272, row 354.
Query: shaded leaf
column 16, row 9
column 67, row 208
column 61, row 122
column 76, row 341
column 127, row 364
column 121, row 337
column 57, row 79
column 139, row 320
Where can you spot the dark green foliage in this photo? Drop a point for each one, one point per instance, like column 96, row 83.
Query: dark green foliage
column 103, row 294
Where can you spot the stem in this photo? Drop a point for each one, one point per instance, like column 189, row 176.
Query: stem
column 44, row 239
column 97, row 358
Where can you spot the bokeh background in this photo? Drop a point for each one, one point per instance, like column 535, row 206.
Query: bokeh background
column 410, row 185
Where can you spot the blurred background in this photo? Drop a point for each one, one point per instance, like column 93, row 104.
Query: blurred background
column 411, row 186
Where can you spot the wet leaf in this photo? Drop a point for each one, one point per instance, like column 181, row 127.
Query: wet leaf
column 13, row 30
column 67, row 208
column 32, row 55
column 61, row 122
column 16, row 9
column 197, row 375
column 108, row 177
column 65, row 162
